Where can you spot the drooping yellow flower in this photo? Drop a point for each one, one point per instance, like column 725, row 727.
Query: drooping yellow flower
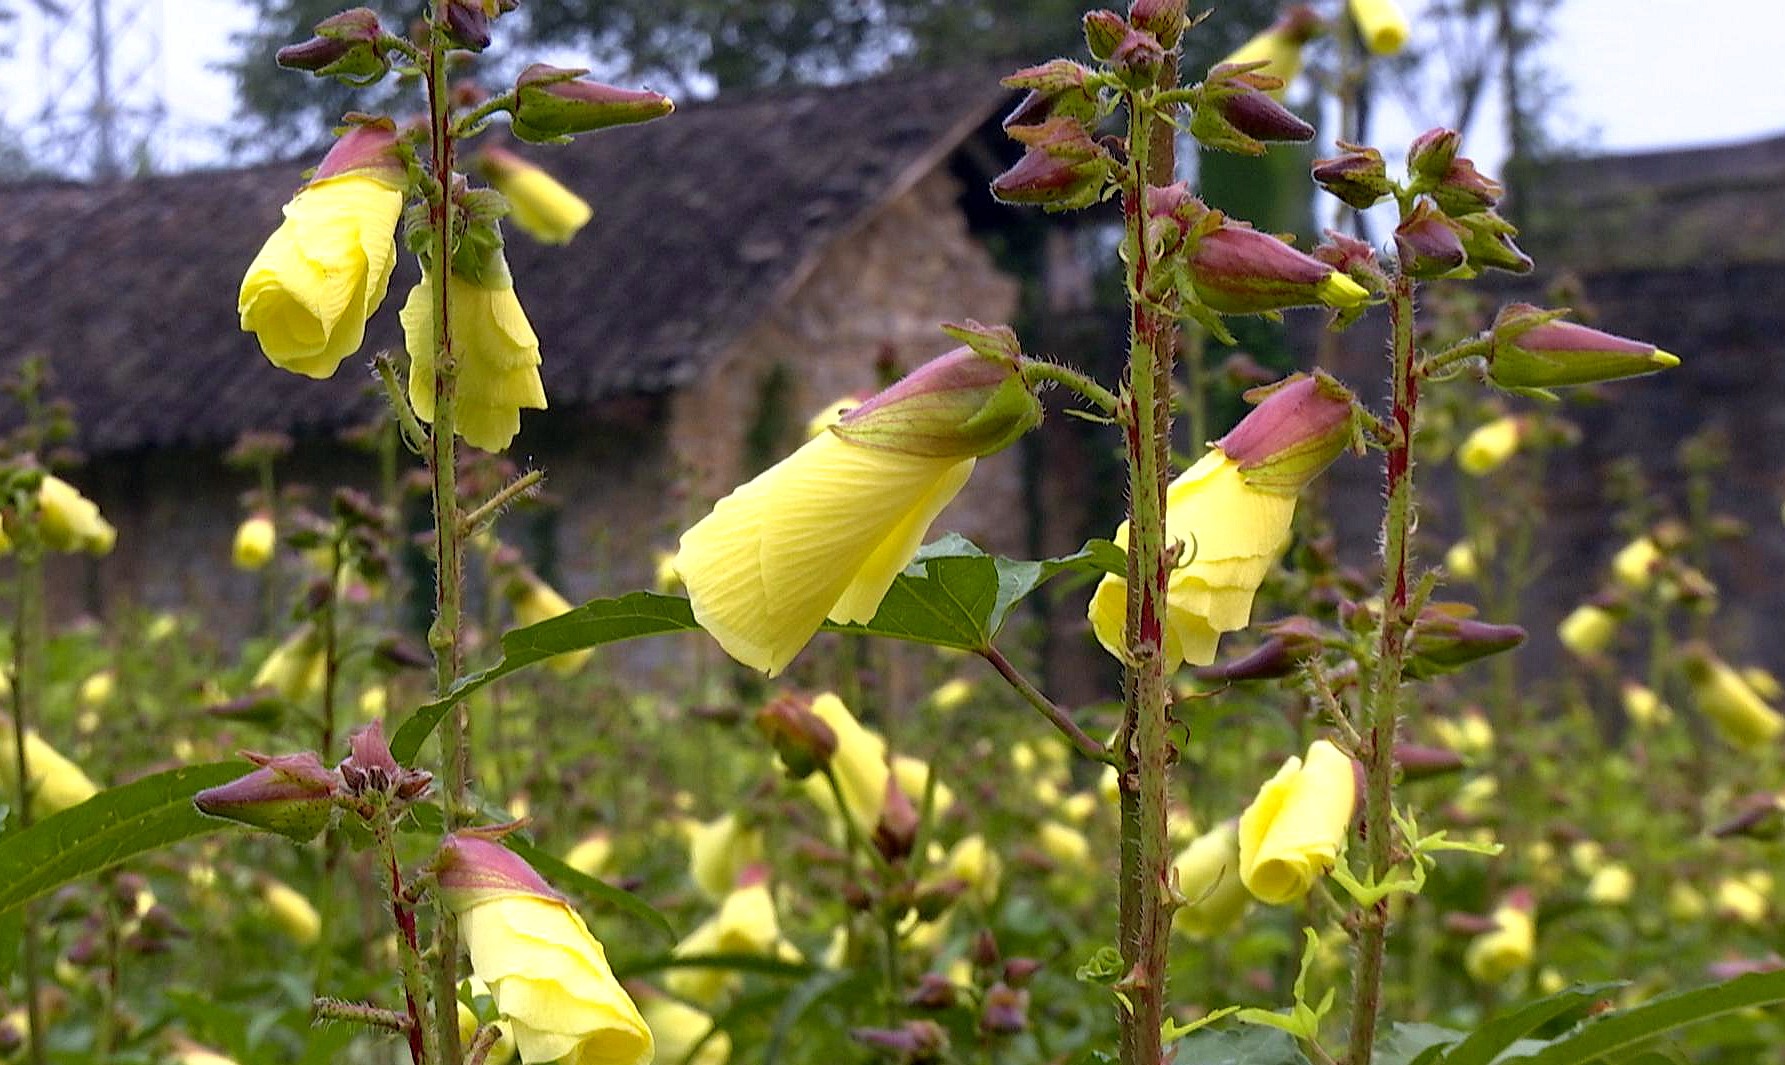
column 550, row 977
column 1740, row 899
column 1292, row 833
column 543, row 208
column 1644, row 708
column 497, row 351
column 1493, row 957
column 912, row 775
column 1232, row 512
column 1588, row 630
column 1685, row 903
column 1611, row 885
column 720, row 849
column 1381, row 24
column 1209, row 879
column 323, row 272
column 253, row 547
column 823, row 533
column 1741, row 715
column 1764, row 683
column 296, row 669
column 745, row 924
column 54, row 782
column 1066, row 845
column 975, row 864
column 535, row 601
column 1634, row 564
column 859, row 765
column 1488, row 447
column 1461, row 561
column 291, row 912
column 69, row 521
column 680, row 1028
column 1279, row 46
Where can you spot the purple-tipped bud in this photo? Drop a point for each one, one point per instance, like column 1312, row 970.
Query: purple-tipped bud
column 911, row 1043
column 934, row 991
column 1294, row 433
column 958, row 405
column 1756, row 817
column 1235, row 269
column 1469, row 924
column 1427, row 243
column 1056, row 89
column 348, row 46
column 1238, row 113
column 936, row 898
column 1350, row 256
column 468, row 21
column 471, row 868
column 1431, row 153
column 1164, row 19
column 1445, row 639
column 1137, row 59
column 1420, row 762
column 552, row 103
column 292, row 795
column 1488, row 239
column 1291, row 642
column 371, row 768
column 1005, row 1010
column 896, row 832
column 368, row 148
column 802, row 738
column 1358, row 177
column 1730, row 968
column 395, row 652
column 1532, row 348
column 1465, row 190
column 1062, row 170
column 1019, row 971
column 1104, row 33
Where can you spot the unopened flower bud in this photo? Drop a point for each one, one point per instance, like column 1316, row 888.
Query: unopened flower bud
column 1430, row 155
column 1488, row 238
column 912, row 1043
column 1164, row 19
column 1381, row 24
column 1420, row 762
column 371, row 767
column 959, row 405
column 1062, row 169
column 1056, row 90
column 1445, row 639
column 1235, row 269
column 802, row 739
column 552, row 103
column 896, row 831
column 348, row 46
column 934, row 899
column 934, row 991
column 292, row 795
column 468, row 21
column 1464, row 190
column 1532, row 348
column 1237, row 113
column 1428, row 244
column 1005, row 1010
column 1295, row 432
column 1756, row 817
column 1490, row 446
column 1358, row 177
column 1290, row 642
column 1743, row 718
column 1104, row 32
column 1137, row 58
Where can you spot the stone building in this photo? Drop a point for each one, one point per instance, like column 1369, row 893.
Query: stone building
column 750, row 260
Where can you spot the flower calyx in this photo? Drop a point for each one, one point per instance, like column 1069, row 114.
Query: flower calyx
column 553, row 104
column 350, row 46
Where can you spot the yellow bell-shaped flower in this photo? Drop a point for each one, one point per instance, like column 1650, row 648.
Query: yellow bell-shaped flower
column 718, row 851
column 254, row 542
column 1209, row 879
column 858, row 764
column 1588, row 630
column 497, row 352
column 823, row 533
column 745, row 924
column 323, row 272
column 291, row 912
column 1490, row 446
column 591, row 854
column 1292, row 833
column 535, row 601
column 54, row 782
column 1741, row 715
column 1493, row 957
column 296, row 669
column 539, row 204
column 1634, row 564
column 550, row 977
column 1232, row 512
column 69, row 521
column 1381, row 24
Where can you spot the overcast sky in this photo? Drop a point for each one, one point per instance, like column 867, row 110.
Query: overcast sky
column 1638, row 73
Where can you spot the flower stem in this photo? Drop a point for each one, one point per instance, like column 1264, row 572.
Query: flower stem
column 27, row 644
column 1385, row 689
column 443, row 636
column 1144, row 918
column 1051, row 710
column 424, row 1042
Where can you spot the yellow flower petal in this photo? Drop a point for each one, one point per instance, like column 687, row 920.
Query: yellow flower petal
column 1291, row 834
column 498, row 355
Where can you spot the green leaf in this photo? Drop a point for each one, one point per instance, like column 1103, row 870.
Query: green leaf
column 588, row 887
column 1414, row 1043
column 1488, row 1041
column 1613, row 1032
column 114, row 825
column 952, row 595
column 1241, row 1046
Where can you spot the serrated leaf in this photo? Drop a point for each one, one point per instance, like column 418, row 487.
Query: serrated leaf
column 113, row 826
column 1624, row 1029
column 952, row 595
column 1487, row 1042
column 1241, row 1046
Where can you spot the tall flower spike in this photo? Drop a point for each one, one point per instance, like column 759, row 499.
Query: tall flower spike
column 543, row 208
column 498, row 354
column 322, row 273
column 548, row 975
column 824, row 532
column 1292, row 833
column 1232, row 512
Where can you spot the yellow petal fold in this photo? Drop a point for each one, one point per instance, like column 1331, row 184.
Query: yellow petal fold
column 1292, row 833
column 498, row 358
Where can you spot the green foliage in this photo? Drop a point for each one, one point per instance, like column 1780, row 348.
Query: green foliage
column 1603, row 1037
